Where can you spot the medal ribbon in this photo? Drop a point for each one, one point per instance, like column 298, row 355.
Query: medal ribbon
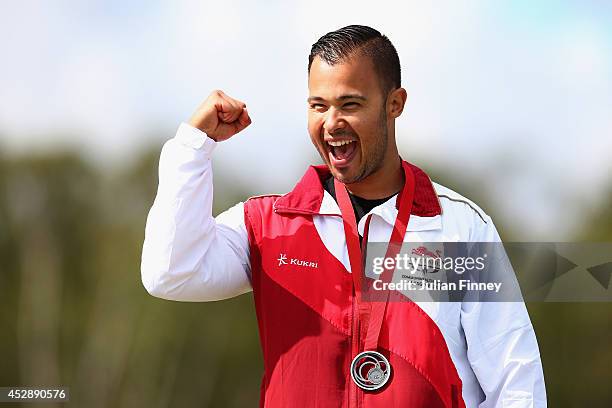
column 376, row 310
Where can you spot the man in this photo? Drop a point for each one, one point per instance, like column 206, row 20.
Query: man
column 298, row 252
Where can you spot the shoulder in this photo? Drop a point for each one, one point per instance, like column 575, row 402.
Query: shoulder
column 464, row 219
column 260, row 207
column 456, row 204
column 262, row 201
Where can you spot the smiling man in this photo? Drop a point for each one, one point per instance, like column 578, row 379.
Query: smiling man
column 353, row 104
column 301, row 253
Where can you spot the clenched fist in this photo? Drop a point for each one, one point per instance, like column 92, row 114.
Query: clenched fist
column 220, row 116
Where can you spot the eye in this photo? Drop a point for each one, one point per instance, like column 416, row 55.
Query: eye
column 350, row 105
column 317, row 106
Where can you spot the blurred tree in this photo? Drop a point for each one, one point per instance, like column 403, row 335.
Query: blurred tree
column 575, row 338
column 74, row 311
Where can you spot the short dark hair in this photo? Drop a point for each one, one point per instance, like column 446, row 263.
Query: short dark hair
column 334, row 47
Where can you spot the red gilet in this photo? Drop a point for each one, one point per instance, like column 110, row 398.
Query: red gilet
column 308, row 327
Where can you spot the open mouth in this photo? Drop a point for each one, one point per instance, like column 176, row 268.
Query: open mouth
column 341, row 152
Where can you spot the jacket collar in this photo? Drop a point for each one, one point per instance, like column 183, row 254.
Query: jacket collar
column 309, row 197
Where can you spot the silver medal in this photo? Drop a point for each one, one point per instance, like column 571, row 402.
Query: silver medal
column 370, row 370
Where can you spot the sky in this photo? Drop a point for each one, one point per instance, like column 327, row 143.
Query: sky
column 514, row 94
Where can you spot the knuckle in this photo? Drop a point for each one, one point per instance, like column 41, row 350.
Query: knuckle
column 216, row 94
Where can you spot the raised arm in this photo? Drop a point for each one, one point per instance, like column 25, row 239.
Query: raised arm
column 187, row 254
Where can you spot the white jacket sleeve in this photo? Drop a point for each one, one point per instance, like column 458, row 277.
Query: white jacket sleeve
column 502, row 346
column 187, row 254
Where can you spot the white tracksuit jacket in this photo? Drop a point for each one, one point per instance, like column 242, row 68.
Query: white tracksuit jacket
column 190, row 256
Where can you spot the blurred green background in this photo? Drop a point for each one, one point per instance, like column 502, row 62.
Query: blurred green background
column 509, row 104
column 74, row 313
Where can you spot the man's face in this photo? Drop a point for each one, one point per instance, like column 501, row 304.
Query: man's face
column 347, row 118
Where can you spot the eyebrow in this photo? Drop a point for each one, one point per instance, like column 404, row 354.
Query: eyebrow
column 340, row 98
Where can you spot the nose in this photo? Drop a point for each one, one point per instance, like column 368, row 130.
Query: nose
column 333, row 120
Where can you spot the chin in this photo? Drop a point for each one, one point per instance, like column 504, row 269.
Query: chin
column 345, row 176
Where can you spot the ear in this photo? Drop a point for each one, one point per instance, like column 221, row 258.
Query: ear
column 395, row 102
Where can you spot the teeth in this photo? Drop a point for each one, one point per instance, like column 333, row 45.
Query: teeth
column 341, row 143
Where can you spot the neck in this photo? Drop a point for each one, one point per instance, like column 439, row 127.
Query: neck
column 384, row 182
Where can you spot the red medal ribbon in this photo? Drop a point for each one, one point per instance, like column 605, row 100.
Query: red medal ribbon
column 374, row 310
